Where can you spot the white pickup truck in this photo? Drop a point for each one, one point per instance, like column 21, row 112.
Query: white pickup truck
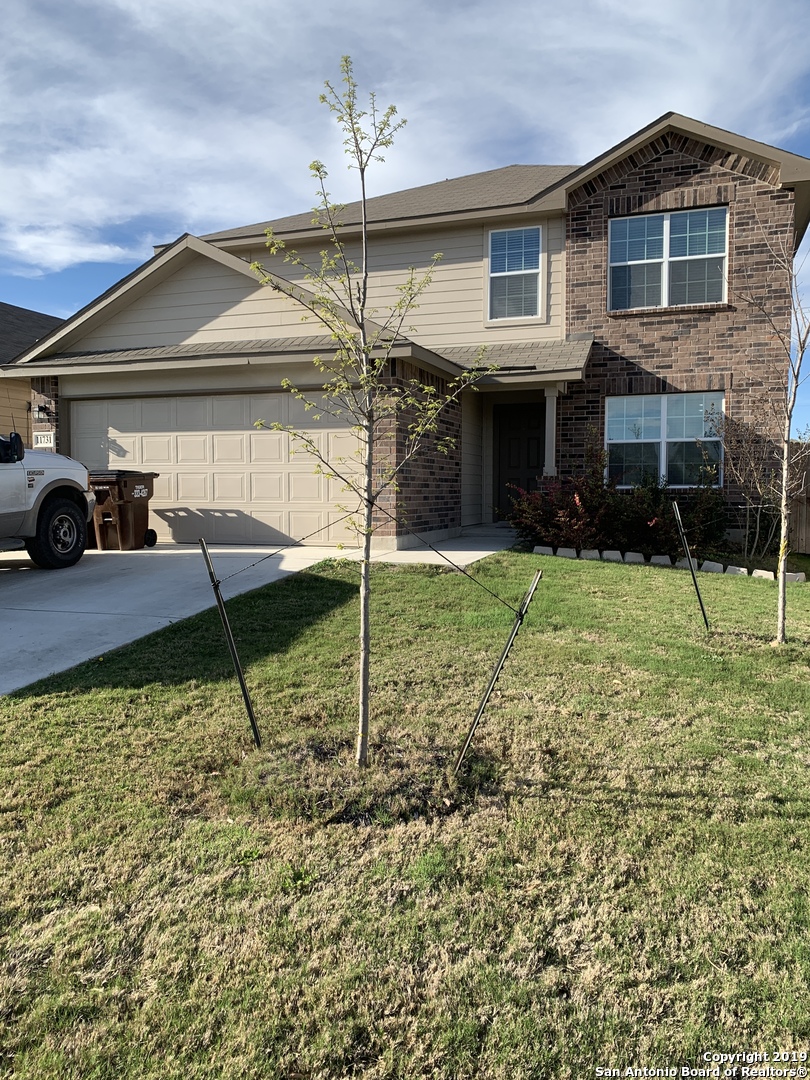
column 45, row 504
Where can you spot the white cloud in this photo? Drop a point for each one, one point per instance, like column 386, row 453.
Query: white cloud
column 37, row 251
column 119, row 118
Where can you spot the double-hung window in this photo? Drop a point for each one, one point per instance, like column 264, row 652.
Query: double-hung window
column 674, row 436
column 668, row 260
column 514, row 273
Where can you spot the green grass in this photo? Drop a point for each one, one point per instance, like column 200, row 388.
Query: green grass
column 619, row 877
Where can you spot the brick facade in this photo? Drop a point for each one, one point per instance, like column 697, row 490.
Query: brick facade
column 728, row 346
column 428, row 495
column 45, row 392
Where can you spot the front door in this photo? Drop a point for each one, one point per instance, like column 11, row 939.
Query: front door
column 520, row 439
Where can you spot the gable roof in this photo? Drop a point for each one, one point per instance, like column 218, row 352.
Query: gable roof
column 517, row 189
column 120, row 295
column 794, row 170
column 20, row 328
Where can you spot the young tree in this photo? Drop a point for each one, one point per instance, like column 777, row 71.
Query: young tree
column 393, row 419
column 791, row 330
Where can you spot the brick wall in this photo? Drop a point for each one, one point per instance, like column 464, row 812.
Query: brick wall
column 728, row 347
column 429, row 486
column 45, row 392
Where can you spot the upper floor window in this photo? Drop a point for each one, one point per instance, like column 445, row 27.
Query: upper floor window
column 674, row 436
column 668, row 260
column 514, row 273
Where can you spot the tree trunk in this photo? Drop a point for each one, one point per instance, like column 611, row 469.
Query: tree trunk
column 365, row 597
column 784, row 516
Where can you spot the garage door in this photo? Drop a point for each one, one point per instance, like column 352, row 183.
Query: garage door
column 220, row 478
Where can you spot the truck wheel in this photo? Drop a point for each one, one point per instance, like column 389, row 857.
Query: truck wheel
column 61, row 535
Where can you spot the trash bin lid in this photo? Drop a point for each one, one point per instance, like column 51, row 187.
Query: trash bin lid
column 110, row 476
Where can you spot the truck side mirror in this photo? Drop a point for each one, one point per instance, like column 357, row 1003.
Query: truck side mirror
column 11, row 449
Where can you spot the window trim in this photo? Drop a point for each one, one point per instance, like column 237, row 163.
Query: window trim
column 491, row 320
column 662, row 442
column 666, row 260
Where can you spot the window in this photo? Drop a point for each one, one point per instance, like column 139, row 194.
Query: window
column 668, row 260
column 514, row 273
column 673, row 436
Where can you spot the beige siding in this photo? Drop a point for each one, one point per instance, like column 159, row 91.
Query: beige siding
column 15, row 400
column 452, row 310
column 202, row 302
column 187, row 379
column 205, row 302
column 472, row 415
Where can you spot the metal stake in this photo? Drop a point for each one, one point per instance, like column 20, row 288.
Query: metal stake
column 689, row 559
column 524, row 607
column 231, row 644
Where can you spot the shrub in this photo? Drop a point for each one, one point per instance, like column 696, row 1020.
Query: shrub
column 584, row 511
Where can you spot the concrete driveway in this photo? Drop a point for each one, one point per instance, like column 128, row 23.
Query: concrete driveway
column 55, row 619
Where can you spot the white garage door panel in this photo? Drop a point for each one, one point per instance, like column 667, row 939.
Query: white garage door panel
column 229, row 448
column 267, row 487
column 165, row 487
column 229, row 488
column 157, row 414
column 193, row 414
column 193, row 487
column 268, row 446
column 220, row 477
column 156, row 450
column 192, row 449
column 122, row 416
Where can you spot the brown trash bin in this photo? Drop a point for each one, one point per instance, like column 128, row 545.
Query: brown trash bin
column 121, row 516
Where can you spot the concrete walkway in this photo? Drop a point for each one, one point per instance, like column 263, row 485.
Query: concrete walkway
column 54, row 619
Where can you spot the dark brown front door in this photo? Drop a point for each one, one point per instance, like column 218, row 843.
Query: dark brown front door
column 520, row 439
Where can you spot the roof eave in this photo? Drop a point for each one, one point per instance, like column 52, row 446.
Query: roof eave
column 303, row 354
column 520, row 378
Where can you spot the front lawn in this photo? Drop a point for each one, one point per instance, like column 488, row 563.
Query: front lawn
column 620, row 877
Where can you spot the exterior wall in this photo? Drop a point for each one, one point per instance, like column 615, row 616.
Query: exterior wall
column 45, row 392
column 727, row 346
column 202, row 301
column 170, row 378
column 453, row 309
column 15, row 407
column 472, row 451
column 428, row 498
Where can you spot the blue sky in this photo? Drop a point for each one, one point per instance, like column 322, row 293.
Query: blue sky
column 125, row 123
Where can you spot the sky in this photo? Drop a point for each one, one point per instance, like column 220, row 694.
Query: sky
column 125, row 123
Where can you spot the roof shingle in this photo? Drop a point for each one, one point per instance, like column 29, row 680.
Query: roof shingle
column 21, row 328
column 513, row 185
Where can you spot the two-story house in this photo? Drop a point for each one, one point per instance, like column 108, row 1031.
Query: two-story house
column 612, row 297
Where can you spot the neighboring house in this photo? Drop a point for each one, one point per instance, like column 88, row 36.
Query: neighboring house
column 609, row 296
column 19, row 329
